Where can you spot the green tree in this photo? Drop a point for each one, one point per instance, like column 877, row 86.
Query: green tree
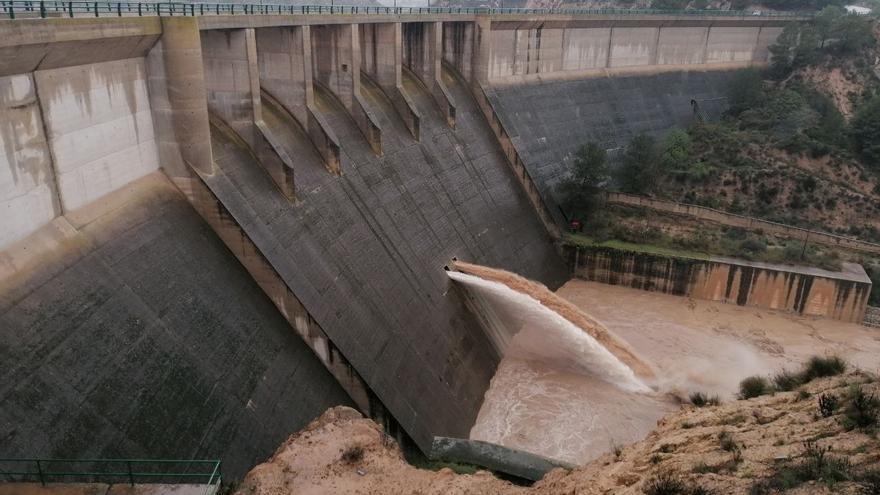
column 866, row 133
column 826, row 21
column 745, row 91
column 853, row 33
column 797, row 46
column 640, row 169
column 581, row 190
column 677, row 151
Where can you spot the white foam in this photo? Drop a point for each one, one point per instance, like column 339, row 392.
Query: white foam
column 522, row 327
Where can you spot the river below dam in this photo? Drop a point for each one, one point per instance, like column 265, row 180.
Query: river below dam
column 566, row 414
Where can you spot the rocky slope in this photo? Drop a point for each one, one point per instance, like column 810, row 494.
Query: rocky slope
column 750, row 446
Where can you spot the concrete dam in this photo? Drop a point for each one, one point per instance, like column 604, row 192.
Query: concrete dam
column 216, row 226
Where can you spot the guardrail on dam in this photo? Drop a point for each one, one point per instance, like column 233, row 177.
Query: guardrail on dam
column 343, row 159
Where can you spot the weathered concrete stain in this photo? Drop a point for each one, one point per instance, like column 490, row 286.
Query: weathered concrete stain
column 839, row 295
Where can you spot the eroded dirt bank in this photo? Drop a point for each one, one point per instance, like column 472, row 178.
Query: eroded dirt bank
column 725, row 449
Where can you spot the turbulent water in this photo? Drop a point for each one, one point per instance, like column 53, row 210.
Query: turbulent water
column 520, row 327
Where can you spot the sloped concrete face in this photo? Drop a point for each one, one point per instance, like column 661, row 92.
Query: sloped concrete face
column 99, row 127
column 27, row 183
column 141, row 336
column 548, row 122
column 365, row 251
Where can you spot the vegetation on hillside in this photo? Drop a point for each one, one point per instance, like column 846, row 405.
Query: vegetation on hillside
column 799, row 145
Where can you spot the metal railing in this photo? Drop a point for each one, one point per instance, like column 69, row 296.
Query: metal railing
column 131, row 471
column 12, row 9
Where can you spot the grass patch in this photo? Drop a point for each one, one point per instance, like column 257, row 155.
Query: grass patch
column 665, row 483
column 353, row 454
column 726, row 441
column 821, row 367
column 700, row 399
column 862, row 409
column 827, row 405
column 754, row 386
column 786, row 381
column 814, row 465
column 582, row 240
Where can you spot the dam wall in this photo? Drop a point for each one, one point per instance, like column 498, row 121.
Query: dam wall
column 128, row 330
column 69, row 136
column 343, row 180
column 841, row 295
column 546, row 123
column 538, row 50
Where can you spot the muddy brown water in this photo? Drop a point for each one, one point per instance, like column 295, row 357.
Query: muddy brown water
column 692, row 345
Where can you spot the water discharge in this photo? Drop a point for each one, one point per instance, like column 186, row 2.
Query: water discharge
column 520, row 327
column 566, row 387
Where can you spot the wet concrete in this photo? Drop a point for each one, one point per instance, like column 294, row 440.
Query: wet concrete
column 141, row 336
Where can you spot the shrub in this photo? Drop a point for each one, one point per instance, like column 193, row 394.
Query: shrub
column 666, row 483
column 700, row 399
column 827, row 405
column 786, row 381
column 353, row 454
column 869, row 482
column 753, row 245
column 639, row 170
column 726, row 441
column 754, row 386
column 814, row 465
column 863, row 409
column 820, row 367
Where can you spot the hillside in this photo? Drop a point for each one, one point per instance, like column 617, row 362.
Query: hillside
column 788, row 150
column 798, row 145
column 748, row 446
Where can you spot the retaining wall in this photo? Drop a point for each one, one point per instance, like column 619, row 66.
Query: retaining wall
column 808, row 291
column 69, row 136
column 531, row 51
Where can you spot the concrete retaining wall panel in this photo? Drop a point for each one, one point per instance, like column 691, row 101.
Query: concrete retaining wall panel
column 227, row 80
column 27, row 183
column 632, row 46
column 99, row 126
column 681, row 46
column 505, row 47
column 839, row 295
column 731, row 44
column 550, row 54
column 151, row 341
column 585, row 48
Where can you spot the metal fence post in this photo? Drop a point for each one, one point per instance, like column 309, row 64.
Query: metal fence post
column 40, row 471
column 42, row 9
column 130, row 474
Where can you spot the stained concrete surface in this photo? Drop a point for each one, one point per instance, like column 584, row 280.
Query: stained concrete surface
column 548, row 122
column 365, row 252
column 147, row 339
